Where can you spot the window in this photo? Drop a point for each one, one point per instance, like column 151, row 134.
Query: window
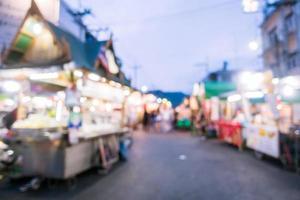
column 273, row 39
column 289, row 22
column 292, row 61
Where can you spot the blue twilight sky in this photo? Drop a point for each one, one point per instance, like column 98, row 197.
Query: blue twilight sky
column 167, row 38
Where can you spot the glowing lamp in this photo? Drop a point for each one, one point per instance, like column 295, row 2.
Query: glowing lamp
column 94, row 77
column 288, row 91
column 250, row 6
column 11, row 86
column 144, row 88
column 37, row 28
column 234, row 98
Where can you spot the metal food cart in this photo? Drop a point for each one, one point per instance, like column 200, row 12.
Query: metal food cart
column 47, row 154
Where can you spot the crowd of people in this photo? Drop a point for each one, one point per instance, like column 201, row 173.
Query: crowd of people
column 165, row 118
column 159, row 120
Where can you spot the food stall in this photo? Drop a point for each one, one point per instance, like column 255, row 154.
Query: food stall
column 59, row 134
column 237, row 109
column 134, row 109
column 183, row 115
column 219, row 108
column 69, row 108
column 212, row 104
column 232, row 119
column 289, row 120
column 261, row 129
column 271, row 121
column 246, row 117
column 262, row 133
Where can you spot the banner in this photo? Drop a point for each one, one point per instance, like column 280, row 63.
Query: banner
column 263, row 138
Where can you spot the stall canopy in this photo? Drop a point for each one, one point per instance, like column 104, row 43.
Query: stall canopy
column 213, row 88
column 82, row 54
column 39, row 43
column 295, row 98
column 35, row 44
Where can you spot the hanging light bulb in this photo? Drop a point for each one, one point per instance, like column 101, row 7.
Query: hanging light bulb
column 250, row 6
column 253, row 45
column 37, row 28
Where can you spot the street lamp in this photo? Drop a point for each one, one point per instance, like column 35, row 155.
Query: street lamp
column 250, row 6
column 253, row 45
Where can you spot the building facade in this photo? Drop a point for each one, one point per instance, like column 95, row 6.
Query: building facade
column 281, row 39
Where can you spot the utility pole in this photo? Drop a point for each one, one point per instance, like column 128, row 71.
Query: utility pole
column 204, row 65
column 135, row 74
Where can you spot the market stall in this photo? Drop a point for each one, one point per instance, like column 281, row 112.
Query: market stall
column 69, row 103
column 262, row 133
column 213, row 106
column 183, row 114
column 237, row 110
column 289, row 120
column 232, row 118
column 261, row 130
column 59, row 130
column 134, row 109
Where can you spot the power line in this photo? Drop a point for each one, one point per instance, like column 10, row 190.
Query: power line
column 184, row 12
column 170, row 15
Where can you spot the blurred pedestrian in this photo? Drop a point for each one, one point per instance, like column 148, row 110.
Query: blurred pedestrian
column 166, row 115
column 146, row 120
column 10, row 118
column 152, row 118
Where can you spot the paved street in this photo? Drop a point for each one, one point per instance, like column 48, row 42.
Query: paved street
column 211, row 170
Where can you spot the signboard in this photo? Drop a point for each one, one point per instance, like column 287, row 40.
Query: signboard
column 12, row 12
column 263, row 138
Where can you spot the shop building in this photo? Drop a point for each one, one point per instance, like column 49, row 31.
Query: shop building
column 281, row 39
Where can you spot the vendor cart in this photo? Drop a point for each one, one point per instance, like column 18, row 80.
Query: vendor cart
column 184, row 115
column 48, row 154
column 53, row 158
column 231, row 132
column 290, row 148
column 232, row 119
column 53, row 139
column 69, row 100
column 289, row 121
column 263, row 139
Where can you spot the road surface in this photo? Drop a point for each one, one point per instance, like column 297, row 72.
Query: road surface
column 177, row 166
